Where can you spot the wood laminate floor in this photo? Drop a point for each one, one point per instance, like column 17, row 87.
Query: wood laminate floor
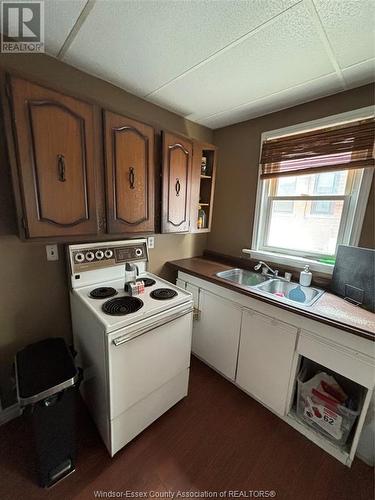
column 217, row 439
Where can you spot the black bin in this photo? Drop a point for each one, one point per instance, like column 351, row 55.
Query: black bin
column 47, row 380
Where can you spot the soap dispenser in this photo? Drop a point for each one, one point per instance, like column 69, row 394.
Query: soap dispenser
column 305, row 276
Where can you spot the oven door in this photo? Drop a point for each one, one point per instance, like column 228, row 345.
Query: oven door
column 144, row 359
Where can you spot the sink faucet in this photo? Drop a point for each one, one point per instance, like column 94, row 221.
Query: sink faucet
column 266, row 267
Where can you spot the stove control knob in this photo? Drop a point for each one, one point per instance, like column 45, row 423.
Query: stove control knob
column 90, row 256
column 79, row 257
column 138, row 252
column 99, row 254
column 108, row 254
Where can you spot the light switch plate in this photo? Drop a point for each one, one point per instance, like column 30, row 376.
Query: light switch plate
column 52, row 252
column 151, row 242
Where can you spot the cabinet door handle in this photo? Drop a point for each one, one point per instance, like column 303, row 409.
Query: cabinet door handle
column 178, row 187
column 61, row 168
column 131, row 178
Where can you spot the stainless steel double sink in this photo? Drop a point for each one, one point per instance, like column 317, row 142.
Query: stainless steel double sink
column 275, row 287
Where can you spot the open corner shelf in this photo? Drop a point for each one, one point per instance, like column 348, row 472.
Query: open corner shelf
column 204, row 175
column 354, row 390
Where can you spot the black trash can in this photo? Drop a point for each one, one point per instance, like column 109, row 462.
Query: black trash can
column 47, row 381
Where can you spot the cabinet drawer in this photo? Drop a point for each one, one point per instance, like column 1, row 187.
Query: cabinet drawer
column 341, row 360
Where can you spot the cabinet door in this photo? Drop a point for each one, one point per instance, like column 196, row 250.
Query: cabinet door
column 181, row 283
column 129, row 154
column 56, row 139
column 265, row 359
column 194, row 290
column 216, row 334
column 177, row 157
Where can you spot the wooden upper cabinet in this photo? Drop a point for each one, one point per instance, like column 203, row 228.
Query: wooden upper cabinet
column 56, row 140
column 177, row 160
column 202, row 187
column 130, row 178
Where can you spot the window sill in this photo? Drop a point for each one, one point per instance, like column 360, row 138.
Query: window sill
column 289, row 260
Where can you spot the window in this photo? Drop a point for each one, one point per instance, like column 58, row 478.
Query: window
column 286, row 186
column 316, row 205
column 325, row 184
column 313, row 190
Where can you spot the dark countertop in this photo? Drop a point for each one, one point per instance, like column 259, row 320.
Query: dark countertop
column 329, row 309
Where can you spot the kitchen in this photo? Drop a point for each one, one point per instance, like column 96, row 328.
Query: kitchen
column 227, row 434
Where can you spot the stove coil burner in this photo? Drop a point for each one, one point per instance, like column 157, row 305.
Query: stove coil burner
column 147, row 281
column 163, row 294
column 103, row 292
column 122, row 305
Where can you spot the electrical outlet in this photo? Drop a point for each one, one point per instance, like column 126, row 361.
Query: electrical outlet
column 52, row 252
column 151, row 242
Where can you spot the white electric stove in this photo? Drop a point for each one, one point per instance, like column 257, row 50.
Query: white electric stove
column 135, row 350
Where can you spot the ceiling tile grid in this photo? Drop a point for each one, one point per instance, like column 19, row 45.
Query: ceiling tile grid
column 321, row 87
column 60, row 18
column 285, row 53
column 141, row 44
column 218, row 61
column 360, row 74
column 349, row 25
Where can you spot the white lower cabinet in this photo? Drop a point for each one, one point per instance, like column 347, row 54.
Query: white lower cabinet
column 216, row 333
column 261, row 354
column 265, row 359
column 180, row 283
column 194, row 290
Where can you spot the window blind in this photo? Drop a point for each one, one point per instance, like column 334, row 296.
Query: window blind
column 333, row 148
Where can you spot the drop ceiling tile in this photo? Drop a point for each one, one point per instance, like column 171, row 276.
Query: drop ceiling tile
column 360, row 74
column 59, row 19
column 349, row 25
column 285, row 53
column 140, row 45
column 321, row 87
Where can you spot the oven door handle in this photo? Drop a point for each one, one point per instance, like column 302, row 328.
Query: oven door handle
column 126, row 338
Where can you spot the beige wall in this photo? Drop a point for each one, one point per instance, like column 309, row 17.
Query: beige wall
column 34, row 293
column 238, row 159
